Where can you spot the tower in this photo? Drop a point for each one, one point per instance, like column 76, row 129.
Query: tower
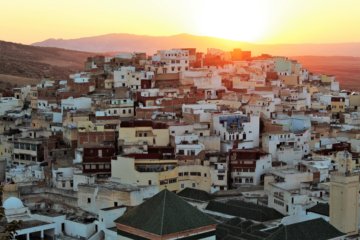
column 344, row 197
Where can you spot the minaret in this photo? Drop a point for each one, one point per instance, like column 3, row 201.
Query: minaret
column 344, row 196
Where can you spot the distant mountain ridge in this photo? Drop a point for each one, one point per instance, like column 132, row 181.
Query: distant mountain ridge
column 120, row 42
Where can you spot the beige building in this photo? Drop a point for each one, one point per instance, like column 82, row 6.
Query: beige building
column 141, row 131
column 140, row 170
column 344, row 200
column 93, row 197
column 354, row 101
column 162, row 172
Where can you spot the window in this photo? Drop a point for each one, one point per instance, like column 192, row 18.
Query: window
column 182, row 185
column 220, row 177
column 193, row 185
column 71, row 183
column 115, row 204
column 87, row 166
column 93, row 166
column 173, row 180
column 107, row 166
column 63, row 184
column 89, row 200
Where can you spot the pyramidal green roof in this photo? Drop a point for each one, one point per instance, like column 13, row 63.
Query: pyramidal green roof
column 165, row 213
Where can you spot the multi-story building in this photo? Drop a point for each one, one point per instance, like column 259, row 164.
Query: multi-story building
column 169, row 61
column 247, row 167
column 129, row 77
column 28, row 150
column 96, row 159
column 143, row 132
column 236, row 130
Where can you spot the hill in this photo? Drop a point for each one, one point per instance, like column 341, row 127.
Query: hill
column 129, row 42
column 346, row 69
column 31, row 63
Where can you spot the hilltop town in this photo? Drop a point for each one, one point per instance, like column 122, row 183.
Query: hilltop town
column 182, row 145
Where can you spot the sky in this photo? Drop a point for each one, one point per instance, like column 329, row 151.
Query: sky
column 257, row 21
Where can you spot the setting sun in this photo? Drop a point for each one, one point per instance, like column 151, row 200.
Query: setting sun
column 257, row 21
column 236, row 20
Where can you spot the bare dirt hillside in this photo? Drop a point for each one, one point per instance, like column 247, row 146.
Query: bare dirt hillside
column 34, row 63
column 346, row 69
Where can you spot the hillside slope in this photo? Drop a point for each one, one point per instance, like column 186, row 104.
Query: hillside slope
column 37, row 62
column 346, row 69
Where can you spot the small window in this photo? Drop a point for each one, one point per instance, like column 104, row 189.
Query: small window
column 89, row 200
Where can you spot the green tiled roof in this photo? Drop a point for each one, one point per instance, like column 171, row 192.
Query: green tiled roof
column 165, row 213
column 315, row 229
column 245, row 210
column 195, row 194
column 320, row 208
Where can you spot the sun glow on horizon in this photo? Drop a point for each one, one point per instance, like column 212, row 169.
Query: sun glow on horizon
column 234, row 20
column 256, row 21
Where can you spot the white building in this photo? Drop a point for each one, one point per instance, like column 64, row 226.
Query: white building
column 248, row 166
column 80, row 103
column 169, row 61
column 236, row 129
column 129, row 77
column 284, row 191
column 8, row 104
column 188, row 145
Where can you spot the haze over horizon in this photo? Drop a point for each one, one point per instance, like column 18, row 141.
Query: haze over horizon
column 184, row 33
column 258, row 21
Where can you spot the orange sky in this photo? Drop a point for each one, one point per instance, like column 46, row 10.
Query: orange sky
column 259, row 21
